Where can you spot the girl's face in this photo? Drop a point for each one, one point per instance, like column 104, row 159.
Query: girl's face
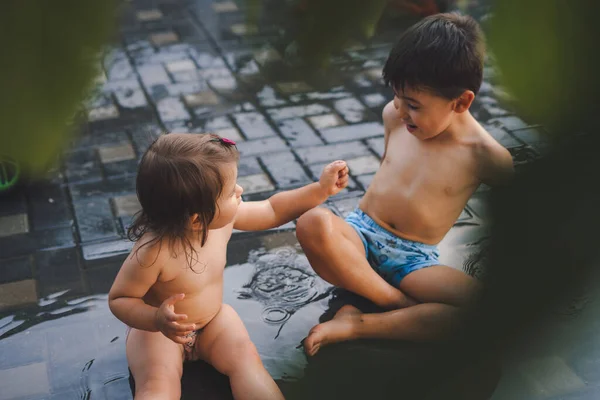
column 230, row 198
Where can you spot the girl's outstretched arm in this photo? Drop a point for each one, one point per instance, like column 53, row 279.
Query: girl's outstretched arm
column 289, row 205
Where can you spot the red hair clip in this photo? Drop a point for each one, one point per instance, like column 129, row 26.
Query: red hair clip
column 222, row 140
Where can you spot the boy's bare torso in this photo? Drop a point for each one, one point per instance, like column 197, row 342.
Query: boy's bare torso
column 203, row 286
column 422, row 186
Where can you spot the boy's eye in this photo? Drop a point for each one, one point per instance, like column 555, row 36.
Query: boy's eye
column 412, row 107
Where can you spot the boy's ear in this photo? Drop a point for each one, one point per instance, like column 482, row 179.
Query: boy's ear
column 195, row 221
column 463, row 103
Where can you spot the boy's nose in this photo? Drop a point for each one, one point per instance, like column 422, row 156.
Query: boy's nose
column 240, row 190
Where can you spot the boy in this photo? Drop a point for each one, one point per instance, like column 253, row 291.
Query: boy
column 436, row 155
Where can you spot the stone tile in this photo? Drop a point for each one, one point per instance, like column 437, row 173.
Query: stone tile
column 131, row 98
column 502, row 136
column 94, row 219
column 373, row 74
column 266, row 55
column 101, row 279
column 25, row 381
column 352, row 132
column 329, row 153
column 293, row 87
column 58, row 270
column 531, row 136
column 117, row 152
column 210, row 74
column 164, row 38
column 351, row 109
column 18, row 294
column 172, row 109
column 180, row 65
column 83, row 165
column 377, row 145
column 49, row 207
column 103, row 113
column 249, row 166
column 142, row 135
column 363, row 165
column 230, row 133
column 510, row 123
column 153, row 75
column 207, row 60
column 325, row 121
column 120, row 69
column 267, row 97
column 192, row 75
column 204, row 98
column 261, row 146
column 50, row 239
column 126, row 205
column 14, row 225
column 224, row 6
column 346, row 206
column 365, row 180
column 297, row 111
column 149, row 15
column 523, row 154
column 106, row 250
column 244, row 29
column 14, row 270
column 160, row 92
column 374, row 99
column 550, row 376
column 217, row 123
column 20, row 350
column 227, row 87
column 255, row 183
column 285, row 170
column 298, row 133
column 13, row 202
column 254, row 125
column 337, row 92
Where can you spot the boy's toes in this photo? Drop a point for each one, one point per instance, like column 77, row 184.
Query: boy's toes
column 312, row 343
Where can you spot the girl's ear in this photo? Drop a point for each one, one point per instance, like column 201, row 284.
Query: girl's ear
column 195, row 221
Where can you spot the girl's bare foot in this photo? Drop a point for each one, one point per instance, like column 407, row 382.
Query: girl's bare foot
column 339, row 329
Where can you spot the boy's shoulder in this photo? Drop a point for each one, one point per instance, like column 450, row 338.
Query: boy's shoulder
column 390, row 115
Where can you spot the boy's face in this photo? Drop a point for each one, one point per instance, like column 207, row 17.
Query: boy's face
column 426, row 115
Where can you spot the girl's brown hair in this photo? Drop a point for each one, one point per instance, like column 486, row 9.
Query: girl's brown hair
column 180, row 175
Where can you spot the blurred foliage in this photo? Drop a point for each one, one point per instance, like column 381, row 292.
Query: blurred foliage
column 319, row 28
column 49, row 63
column 547, row 54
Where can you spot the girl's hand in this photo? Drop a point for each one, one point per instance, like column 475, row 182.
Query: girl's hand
column 166, row 321
column 334, row 177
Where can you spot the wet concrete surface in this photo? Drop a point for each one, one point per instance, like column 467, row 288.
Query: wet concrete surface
column 203, row 65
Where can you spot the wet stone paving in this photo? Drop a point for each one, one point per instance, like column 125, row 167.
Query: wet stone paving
column 198, row 66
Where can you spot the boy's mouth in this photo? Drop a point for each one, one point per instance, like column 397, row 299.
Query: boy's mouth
column 411, row 128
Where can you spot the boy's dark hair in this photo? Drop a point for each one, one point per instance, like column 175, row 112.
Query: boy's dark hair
column 442, row 53
column 180, row 175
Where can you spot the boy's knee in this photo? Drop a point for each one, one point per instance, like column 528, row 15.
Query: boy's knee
column 313, row 224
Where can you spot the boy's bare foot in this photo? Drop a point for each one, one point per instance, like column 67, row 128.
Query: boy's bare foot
column 339, row 329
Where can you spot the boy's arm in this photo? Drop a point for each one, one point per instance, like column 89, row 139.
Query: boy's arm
column 133, row 281
column 498, row 166
column 289, row 205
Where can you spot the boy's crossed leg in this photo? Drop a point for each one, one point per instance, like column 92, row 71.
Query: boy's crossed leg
column 337, row 254
column 156, row 362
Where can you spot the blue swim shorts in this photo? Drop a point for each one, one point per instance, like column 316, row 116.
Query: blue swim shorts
column 389, row 255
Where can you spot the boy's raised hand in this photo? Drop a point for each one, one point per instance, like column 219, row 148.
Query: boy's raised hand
column 334, row 177
column 166, row 321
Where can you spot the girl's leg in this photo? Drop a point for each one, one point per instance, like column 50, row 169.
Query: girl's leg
column 226, row 345
column 156, row 363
